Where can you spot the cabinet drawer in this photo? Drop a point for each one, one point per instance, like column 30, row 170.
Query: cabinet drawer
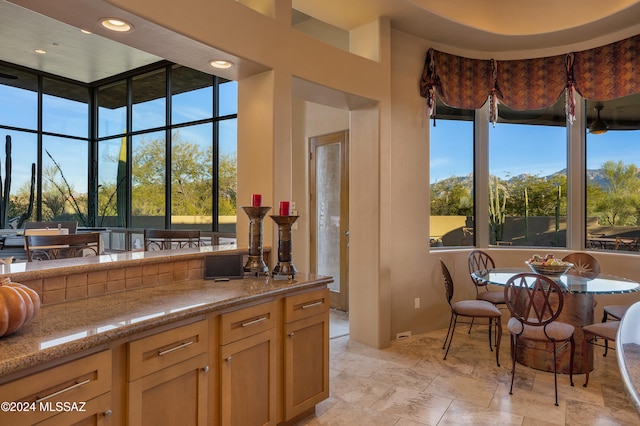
column 153, row 353
column 74, row 382
column 96, row 411
column 305, row 305
column 246, row 322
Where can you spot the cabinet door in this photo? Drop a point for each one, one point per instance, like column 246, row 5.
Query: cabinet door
column 176, row 395
column 306, row 363
column 96, row 412
column 248, row 380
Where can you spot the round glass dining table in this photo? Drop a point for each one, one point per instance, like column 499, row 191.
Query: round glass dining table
column 578, row 309
column 600, row 284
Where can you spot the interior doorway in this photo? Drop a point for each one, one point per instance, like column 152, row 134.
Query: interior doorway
column 329, row 205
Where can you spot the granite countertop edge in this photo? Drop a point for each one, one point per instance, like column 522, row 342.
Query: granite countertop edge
column 38, row 270
column 100, row 320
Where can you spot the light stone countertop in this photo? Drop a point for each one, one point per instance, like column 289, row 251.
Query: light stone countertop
column 68, row 328
column 44, row 269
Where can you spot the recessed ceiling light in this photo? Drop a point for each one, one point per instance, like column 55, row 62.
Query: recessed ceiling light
column 40, row 51
column 114, row 24
column 85, row 31
column 220, row 63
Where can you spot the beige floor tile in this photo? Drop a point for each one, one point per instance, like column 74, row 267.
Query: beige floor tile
column 409, row 384
column 413, row 405
column 462, row 413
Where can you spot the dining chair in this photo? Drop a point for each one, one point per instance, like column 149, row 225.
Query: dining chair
column 605, row 330
column 584, row 265
column 167, row 239
column 535, row 302
column 478, row 260
column 50, row 247
column 470, row 309
column 614, row 311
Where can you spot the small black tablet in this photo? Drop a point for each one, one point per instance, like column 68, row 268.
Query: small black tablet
column 223, row 267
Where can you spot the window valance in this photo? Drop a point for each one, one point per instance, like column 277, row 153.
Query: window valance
column 600, row 74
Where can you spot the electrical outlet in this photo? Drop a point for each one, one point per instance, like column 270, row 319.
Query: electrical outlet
column 416, row 303
column 403, row 335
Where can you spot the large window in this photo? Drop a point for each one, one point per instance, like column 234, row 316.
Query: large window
column 452, row 177
column 612, row 179
column 151, row 151
column 525, row 159
column 65, row 108
column 528, row 177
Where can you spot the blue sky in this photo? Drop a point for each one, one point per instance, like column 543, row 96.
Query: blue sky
column 17, row 109
column 516, row 149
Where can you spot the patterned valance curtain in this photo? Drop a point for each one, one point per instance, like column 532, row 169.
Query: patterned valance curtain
column 600, row 74
column 608, row 72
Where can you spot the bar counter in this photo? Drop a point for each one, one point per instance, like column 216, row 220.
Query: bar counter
column 91, row 321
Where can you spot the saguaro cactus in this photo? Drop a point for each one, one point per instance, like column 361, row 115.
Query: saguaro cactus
column 496, row 211
column 5, row 189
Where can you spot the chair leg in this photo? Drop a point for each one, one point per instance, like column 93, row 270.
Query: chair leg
column 514, row 345
column 585, row 342
column 444, row 345
column 605, row 318
column 573, row 353
column 555, row 371
column 498, row 323
column 490, row 342
column 452, row 332
column 471, row 325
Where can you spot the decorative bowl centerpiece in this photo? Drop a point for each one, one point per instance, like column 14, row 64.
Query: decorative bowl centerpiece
column 548, row 265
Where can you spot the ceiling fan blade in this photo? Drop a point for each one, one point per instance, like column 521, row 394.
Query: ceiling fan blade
column 8, row 76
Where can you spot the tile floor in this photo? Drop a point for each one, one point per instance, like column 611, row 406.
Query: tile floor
column 410, row 384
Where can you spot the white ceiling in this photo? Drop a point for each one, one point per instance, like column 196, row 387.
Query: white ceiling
column 482, row 28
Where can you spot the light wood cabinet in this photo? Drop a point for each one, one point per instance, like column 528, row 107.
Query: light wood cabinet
column 168, row 374
column 77, row 392
column 248, row 351
column 306, row 352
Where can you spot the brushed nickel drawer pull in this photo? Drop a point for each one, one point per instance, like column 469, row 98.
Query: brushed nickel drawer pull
column 311, row 305
column 175, row 348
column 228, row 359
column 255, row 321
column 61, row 391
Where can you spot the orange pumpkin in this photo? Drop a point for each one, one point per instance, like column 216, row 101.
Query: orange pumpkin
column 18, row 305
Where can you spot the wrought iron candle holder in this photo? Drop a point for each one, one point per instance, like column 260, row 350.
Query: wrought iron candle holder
column 284, row 267
column 255, row 263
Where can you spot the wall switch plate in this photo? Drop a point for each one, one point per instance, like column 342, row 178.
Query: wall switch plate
column 416, row 303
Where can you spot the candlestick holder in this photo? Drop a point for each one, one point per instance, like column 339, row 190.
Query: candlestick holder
column 255, row 263
column 285, row 266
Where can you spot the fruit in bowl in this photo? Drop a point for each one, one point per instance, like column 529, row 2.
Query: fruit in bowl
column 548, row 265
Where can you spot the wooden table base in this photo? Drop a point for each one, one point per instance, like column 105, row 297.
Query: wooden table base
column 577, row 311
